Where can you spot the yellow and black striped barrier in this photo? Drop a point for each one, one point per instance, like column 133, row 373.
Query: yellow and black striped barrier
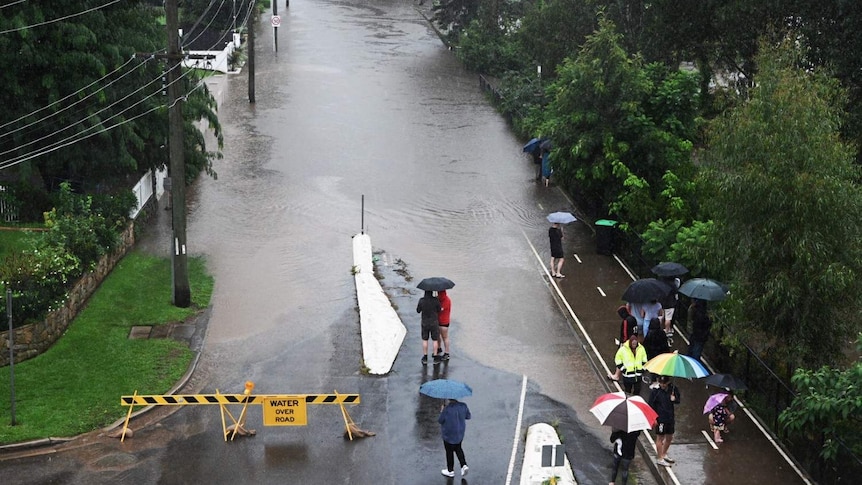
column 278, row 409
column 193, row 399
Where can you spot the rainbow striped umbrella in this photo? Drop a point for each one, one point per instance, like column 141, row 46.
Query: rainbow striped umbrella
column 676, row 365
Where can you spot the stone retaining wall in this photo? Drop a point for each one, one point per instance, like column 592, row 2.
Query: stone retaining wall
column 35, row 338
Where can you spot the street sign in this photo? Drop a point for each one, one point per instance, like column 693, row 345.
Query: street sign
column 284, row 411
column 275, row 20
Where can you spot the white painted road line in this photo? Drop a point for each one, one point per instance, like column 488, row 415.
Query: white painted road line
column 711, row 443
column 516, row 441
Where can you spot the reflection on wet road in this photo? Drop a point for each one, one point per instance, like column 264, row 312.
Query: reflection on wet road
column 362, row 99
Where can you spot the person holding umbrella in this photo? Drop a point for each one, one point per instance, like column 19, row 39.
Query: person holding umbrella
column 701, row 323
column 453, row 426
column 663, row 400
column 555, row 236
column 429, row 307
column 720, row 415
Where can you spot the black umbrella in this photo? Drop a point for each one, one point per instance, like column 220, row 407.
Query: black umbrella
column 435, row 283
column 646, row 290
column 669, row 269
column 726, row 381
column 546, row 145
column 704, row 289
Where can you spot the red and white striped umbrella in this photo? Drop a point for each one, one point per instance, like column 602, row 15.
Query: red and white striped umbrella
column 622, row 411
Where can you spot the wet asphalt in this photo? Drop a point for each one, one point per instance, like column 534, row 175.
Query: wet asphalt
column 275, row 229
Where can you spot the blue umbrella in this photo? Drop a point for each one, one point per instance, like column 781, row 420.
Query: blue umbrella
column 561, row 218
column 532, row 145
column 445, row 389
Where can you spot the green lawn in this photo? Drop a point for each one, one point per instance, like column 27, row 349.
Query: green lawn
column 15, row 241
column 76, row 385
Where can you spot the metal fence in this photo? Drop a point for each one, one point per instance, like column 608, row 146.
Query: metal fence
column 8, row 207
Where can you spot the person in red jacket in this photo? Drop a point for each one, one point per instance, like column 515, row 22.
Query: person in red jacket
column 443, row 319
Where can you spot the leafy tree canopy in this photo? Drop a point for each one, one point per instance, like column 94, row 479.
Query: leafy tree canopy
column 80, row 104
column 782, row 190
column 622, row 129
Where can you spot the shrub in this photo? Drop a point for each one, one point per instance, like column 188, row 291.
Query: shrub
column 86, row 226
column 39, row 279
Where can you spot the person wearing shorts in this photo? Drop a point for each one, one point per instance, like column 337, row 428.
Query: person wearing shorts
column 663, row 400
column 429, row 307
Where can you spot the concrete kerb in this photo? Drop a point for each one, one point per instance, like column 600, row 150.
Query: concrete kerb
column 380, row 326
column 532, row 471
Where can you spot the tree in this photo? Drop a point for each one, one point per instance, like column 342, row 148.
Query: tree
column 554, row 30
column 622, row 129
column 80, row 78
column 826, row 409
column 781, row 188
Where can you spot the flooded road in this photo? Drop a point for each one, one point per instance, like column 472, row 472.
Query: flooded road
column 362, row 99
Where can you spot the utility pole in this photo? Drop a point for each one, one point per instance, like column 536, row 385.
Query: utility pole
column 179, row 269
column 274, row 24
column 250, row 22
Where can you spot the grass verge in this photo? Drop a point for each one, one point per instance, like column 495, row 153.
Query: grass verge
column 76, row 385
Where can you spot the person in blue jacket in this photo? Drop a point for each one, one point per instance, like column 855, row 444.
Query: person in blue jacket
column 453, row 424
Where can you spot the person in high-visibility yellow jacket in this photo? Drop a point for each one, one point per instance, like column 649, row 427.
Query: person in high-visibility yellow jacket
column 630, row 360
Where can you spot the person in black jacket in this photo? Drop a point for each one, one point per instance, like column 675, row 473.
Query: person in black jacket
column 429, row 306
column 655, row 343
column 624, row 452
column 663, row 400
column 628, row 326
column 701, row 323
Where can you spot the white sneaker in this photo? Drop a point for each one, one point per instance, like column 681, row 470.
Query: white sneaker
column 464, row 470
column 662, row 462
column 447, row 473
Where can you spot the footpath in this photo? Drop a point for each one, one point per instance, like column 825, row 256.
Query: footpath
column 590, row 295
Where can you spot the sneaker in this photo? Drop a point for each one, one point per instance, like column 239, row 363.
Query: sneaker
column 447, row 473
column 439, row 351
column 464, row 470
column 424, row 360
column 445, row 356
column 661, row 462
column 437, row 359
column 669, row 459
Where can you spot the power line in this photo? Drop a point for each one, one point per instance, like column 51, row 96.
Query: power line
column 59, row 19
column 13, row 3
column 4, row 165
column 78, row 136
column 198, row 21
column 32, row 113
column 70, row 125
column 72, row 138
